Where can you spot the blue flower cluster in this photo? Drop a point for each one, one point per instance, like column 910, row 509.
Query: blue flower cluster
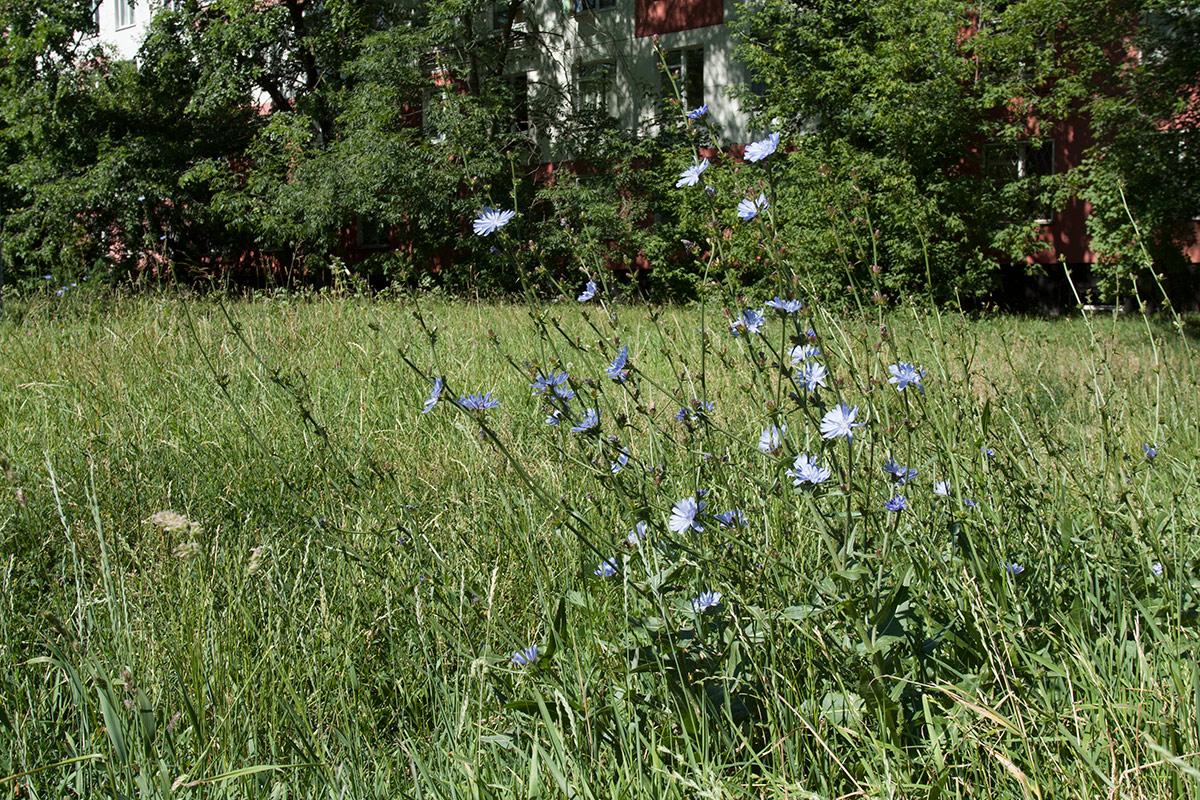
column 811, row 446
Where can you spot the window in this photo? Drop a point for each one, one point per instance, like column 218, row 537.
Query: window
column 1009, row 163
column 501, row 9
column 124, row 13
column 1006, row 162
column 595, row 86
column 518, row 88
column 371, row 233
column 686, row 67
column 592, row 5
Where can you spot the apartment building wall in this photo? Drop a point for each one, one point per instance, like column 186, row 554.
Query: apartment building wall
column 573, row 51
column 122, row 23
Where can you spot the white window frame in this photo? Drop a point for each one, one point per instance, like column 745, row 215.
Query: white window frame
column 499, row 23
column 1021, row 156
column 123, row 14
column 589, row 82
column 678, row 59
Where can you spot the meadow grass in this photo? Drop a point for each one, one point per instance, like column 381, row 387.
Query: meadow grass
column 335, row 606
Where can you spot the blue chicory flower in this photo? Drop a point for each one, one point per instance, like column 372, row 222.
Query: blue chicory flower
column 434, row 395
column 691, row 175
column 732, row 519
column 478, row 402
column 785, row 306
column 839, row 421
column 638, row 534
column 705, row 601
column 491, row 220
column 942, row 488
column 904, row 373
column 698, row 112
column 619, row 464
column 897, row 503
column 552, row 381
column 1013, row 568
column 803, row 352
column 749, row 320
column 589, row 292
column 749, row 209
column 759, row 150
column 590, row 419
column 684, row 513
column 1150, row 450
column 526, row 657
column 693, row 413
column 771, row 439
column 900, row 473
column 811, row 375
column 616, row 370
column 606, row 568
column 805, row 470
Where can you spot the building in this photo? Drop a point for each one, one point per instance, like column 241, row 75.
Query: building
column 122, row 23
column 609, row 56
column 598, row 54
column 611, row 53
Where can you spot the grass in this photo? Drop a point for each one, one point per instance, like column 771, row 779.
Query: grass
column 340, row 618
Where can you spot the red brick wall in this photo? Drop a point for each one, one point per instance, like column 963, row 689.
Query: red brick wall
column 1067, row 232
column 652, row 17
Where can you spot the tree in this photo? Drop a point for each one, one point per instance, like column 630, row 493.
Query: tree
column 246, row 127
column 1143, row 178
column 96, row 148
column 42, row 45
column 902, row 102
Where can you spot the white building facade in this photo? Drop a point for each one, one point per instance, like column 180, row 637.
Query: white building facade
column 602, row 54
column 609, row 55
column 122, row 23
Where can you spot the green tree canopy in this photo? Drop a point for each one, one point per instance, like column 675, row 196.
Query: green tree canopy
column 903, row 101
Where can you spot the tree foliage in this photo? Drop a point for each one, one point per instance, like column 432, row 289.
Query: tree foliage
column 249, row 128
column 249, row 133
column 903, row 100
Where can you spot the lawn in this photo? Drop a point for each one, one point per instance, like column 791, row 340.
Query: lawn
column 345, row 597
